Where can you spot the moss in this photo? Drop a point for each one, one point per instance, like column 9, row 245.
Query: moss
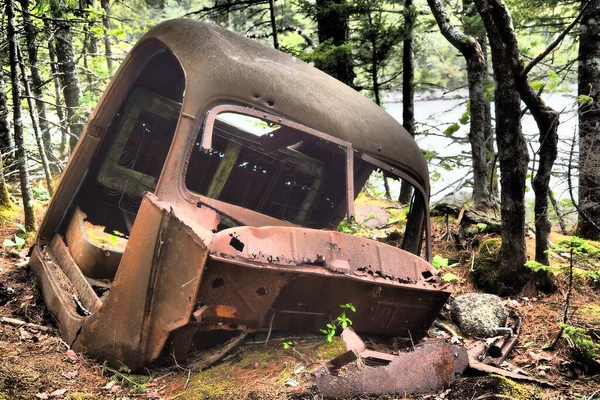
column 512, row 389
column 9, row 214
column 487, row 275
column 328, row 350
column 261, row 372
column 486, row 265
column 591, row 313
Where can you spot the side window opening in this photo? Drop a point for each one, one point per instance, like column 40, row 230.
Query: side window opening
column 131, row 156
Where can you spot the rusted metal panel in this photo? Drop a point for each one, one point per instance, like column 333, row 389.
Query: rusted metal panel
column 156, row 284
column 427, row 369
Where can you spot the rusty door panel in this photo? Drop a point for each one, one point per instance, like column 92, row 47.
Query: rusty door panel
column 153, row 292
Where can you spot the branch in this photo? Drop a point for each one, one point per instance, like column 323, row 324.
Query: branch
column 556, row 42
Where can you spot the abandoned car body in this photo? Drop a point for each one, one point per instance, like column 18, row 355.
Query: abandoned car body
column 203, row 197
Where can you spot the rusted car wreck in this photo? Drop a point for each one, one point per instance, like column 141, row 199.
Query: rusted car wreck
column 202, row 199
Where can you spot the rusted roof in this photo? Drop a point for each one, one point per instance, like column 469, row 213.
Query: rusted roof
column 222, row 65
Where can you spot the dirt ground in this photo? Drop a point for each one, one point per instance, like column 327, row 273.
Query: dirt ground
column 36, row 364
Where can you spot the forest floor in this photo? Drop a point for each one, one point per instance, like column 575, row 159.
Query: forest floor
column 35, row 363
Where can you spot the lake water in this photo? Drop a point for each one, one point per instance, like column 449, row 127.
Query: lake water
column 436, row 115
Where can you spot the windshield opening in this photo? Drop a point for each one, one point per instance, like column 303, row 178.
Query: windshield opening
column 273, row 169
column 281, row 169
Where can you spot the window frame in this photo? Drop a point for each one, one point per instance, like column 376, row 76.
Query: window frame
column 204, row 133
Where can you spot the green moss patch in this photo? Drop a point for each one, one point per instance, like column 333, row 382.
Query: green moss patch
column 263, row 372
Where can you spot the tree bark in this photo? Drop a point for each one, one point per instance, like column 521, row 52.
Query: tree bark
column 589, row 123
column 17, row 121
column 408, row 87
column 68, row 78
column 333, row 24
column 35, row 123
column 36, row 80
column 546, row 119
column 64, row 126
column 106, row 23
column 512, row 150
column 476, row 73
column 6, row 140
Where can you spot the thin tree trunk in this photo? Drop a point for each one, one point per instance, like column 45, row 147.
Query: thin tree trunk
column 36, row 80
column 106, row 23
column 64, row 126
column 273, row 23
column 546, row 119
column 476, row 73
column 17, row 121
column 408, row 87
column 589, row 123
column 333, row 24
column 35, row 123
column 68, row 78
column 514, row 158
column 6, row 140
column 559, row 216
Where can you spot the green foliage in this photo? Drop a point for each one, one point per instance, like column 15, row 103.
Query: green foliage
column 287, row 345
column 581, row 340
column 342, row 320
column 450, row 277
column 136, row 383
column 19, row 242
column 441, row 262
column 481, row 226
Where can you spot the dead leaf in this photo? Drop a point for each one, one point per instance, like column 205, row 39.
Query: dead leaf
column 70, row 374
column 153, row 395
column 109, row 385
column 115, row 389
column 58, row 392
column 72, row 356
column 42, row 396
column 24, row 334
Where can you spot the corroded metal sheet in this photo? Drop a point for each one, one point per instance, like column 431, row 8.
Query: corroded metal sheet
column 427, row 369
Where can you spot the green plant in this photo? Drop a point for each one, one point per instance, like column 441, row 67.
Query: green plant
column 579, row 339
column 341, row 320
column 136, row 383
column 287, row 345
column 440, row 262
column 19, row 242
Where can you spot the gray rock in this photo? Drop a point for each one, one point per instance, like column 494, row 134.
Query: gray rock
column 478, row 315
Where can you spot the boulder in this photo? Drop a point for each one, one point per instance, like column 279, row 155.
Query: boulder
column 478, row 315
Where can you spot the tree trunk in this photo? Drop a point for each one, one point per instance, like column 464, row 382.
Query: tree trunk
column 333, row 23
column 512, row 150
column 68, row 78
column 36, row 80
column 17, row 121
column 35, row 123
column 106, row 22
column 476, row 73
column 273, row 23
column 408, row 86
column 6, row 140
column 589, row 123
column 64, row 126
column 546, row 119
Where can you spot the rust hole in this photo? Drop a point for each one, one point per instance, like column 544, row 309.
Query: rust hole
column 218, row 283
column 261, row 291
column 236, row 244
column 426, row 274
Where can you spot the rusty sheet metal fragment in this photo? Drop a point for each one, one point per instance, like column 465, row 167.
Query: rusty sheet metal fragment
column 426, row 369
